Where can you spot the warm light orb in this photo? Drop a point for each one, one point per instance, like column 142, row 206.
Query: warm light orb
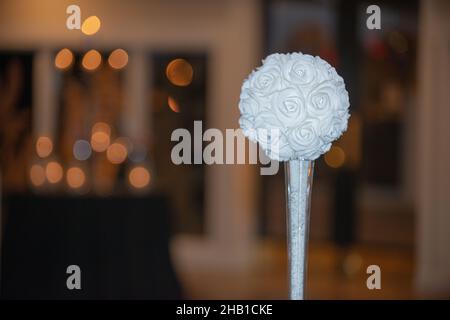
column 64, row 59
column 37, row 175
column 91, row 25
column 100, row 141
column 173, row 104
column 91, row 60
column 100, row 138
column 54, row 172
column 118, row 59
column 101, row 127
column 180, row 72
column 335, row 158
column 44, row 146
column 139, row 177
column 116, row 153
column 75, row 177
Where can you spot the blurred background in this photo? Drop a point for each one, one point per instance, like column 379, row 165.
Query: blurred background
column 86, row 118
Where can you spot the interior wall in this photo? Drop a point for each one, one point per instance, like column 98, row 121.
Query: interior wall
column 229, row 31
column 433, row 130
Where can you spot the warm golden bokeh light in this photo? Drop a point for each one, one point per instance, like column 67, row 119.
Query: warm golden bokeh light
column 100, row 141
column 37, row 175
column 75, row 177
column 116, row 153
column 118, row 59
column 101, row 127
column 64, row 59
column 139, row 177
column 91, row 25
column 100, row 138
column 179, row 72
column 335, row 158
column 54, row 172
column 173, row 104
column 91, row 60
column 44, row 146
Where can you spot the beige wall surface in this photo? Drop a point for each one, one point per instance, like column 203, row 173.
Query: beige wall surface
column 229, row 31
column 433, row 201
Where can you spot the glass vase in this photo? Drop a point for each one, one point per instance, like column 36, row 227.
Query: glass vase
column 299, row 179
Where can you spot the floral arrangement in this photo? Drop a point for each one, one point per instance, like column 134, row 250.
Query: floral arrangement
column 294, row 105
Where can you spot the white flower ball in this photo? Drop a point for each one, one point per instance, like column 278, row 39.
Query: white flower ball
column 294, row 105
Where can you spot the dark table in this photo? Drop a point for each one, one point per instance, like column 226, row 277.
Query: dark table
column 121, row 245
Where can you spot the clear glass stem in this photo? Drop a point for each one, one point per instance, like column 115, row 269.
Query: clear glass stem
column 299, row 178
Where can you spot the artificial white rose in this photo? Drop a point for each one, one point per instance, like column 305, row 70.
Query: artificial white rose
column 304, row 138
column 301, row 72
column 249, row 105
column 247, row 124
column 323, row 100
column 265, row 80
column 289, row 107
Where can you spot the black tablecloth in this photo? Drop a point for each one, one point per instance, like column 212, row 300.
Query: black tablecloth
column 121, row 245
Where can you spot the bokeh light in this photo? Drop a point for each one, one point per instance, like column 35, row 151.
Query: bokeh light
column 118, row 59
column 75, row 177
column 81, row 150
column 100, row 141
column 44, row 146
column 91, row 60
column 91, row 25
column 37, row 175
column 139, row 177
column 53, row 172
column 173, row 104
column 180, row 72
column 116, row 153
column 335, row 158
column 64, row 59
column 101, row 127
